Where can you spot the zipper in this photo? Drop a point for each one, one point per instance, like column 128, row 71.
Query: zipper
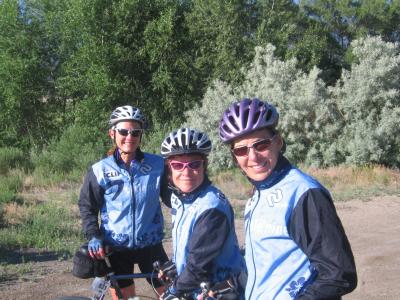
column 176, row 229
column 248, row 233
column 133, row 210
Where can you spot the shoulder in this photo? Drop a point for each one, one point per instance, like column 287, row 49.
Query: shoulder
column 104, row 164
column 214, row 198
column 302, row 180
column 153, row 159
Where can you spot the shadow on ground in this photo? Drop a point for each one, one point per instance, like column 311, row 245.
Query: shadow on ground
column 18, row 256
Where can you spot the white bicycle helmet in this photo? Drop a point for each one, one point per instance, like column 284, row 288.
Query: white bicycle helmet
column 127, row 113
column 185, row 141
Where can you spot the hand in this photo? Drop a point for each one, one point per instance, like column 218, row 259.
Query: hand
column 167, row 272
column 170, row 294
column 95, row 248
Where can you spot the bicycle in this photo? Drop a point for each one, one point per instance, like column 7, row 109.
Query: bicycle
column 101, row 285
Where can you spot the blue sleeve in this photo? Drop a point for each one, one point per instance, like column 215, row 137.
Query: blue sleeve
column 209, row 235
column 318, row 231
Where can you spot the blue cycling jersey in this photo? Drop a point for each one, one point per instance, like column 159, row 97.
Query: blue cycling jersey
column 296, row 247
column 204, row 238
column 128, row 201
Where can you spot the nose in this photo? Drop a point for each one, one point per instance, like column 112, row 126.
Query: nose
column 252, row 154
column 186, row 170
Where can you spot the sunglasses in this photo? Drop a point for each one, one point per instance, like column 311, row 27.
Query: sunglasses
column 180, row 166
column 258, row 146
column 132, row 132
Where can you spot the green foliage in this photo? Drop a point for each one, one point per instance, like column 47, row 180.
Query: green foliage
column 347, row 21
column 357, row 121
column 206, row 118
column 70, row 62
column 70, row 155
column 11, row 182
column 10, row 185
column 152, row 139
column 221, row 35
column 10, row 158
column 46, row 226
column 25, row 99
column 368, row 104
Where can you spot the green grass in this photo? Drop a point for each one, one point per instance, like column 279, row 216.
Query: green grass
column 10, row 185
column 10, row 158
column 46, row 221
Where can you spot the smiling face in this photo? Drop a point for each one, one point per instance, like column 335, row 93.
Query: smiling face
column 191, row 176
column 127, row 144
column 258, row 165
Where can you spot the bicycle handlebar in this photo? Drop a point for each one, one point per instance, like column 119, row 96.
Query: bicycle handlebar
column 135, row 276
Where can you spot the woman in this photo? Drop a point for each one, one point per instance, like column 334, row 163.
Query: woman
column 203, row 233
column 296, row 246
column 125, row 188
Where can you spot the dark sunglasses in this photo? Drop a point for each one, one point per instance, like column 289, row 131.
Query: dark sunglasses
column 132, row 132
column 259, row 146
column 180, row 166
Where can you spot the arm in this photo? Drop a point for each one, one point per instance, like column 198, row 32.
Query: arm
column 209, row 235
column 165, row 190
column 316, row 228
column 90, row 201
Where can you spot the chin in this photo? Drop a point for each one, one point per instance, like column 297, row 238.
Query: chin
column 258, row 177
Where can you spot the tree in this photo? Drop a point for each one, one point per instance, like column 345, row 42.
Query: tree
column 24, row 83
column 222, row 37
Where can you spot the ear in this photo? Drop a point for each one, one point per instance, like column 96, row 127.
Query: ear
column 111, row 133
column 281, row 143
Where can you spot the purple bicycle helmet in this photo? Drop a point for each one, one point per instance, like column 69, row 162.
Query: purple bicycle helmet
column 245, row 116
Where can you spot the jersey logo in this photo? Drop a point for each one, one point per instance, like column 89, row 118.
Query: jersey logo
column 222, row 197
column 145, row 168
column 110, row 174
column 274, row 197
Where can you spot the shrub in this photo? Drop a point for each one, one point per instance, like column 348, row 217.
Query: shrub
column 10, row 185
column 71, row 154
column 10, row 158
column 368, row 104
column 357, row 121
column 153, row 138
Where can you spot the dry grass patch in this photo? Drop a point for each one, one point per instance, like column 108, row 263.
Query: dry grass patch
column 13, row 213
column 352, row 182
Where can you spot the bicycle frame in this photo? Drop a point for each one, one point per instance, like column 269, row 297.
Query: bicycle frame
column 101, row 285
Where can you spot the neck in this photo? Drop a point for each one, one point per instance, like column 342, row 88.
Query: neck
column 127, row 157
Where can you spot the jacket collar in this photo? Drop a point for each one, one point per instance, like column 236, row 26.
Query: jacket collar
column 191, row 196
column 281, row 169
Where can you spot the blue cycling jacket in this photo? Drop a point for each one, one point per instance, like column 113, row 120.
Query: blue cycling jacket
column 204, row 238
column 296, row 247
column 128, row 201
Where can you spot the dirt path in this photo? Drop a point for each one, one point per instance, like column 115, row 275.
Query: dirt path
column 371, row 224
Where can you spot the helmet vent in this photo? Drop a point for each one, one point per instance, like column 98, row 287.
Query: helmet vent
column 268, row 115
column 257, row 115
column 233, row 123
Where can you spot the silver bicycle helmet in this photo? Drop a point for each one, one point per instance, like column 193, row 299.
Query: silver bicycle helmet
column 127, row 113
column 185, row 141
